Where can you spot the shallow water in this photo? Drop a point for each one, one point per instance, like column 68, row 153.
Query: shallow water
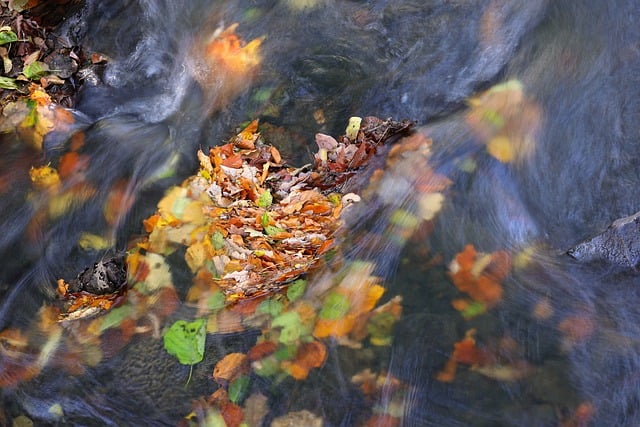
column 567, row 331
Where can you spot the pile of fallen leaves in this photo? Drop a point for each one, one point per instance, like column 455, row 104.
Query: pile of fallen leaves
column 253, row 224
column 32, row 55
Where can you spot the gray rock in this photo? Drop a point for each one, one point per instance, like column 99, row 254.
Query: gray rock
column 618, row 245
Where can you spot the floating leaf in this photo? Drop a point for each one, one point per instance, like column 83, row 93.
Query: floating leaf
column 185, row 340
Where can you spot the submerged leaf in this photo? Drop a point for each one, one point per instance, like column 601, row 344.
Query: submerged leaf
column 335, row 306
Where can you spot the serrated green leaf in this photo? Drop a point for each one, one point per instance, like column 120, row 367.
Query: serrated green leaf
column 7, row 36
column 335, row 306
column 185, row 340
column 239, row 389
column 8, row 83
column 265, row 199
column 35, row 70
column 296, row 289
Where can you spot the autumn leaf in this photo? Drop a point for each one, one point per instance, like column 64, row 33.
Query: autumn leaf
column 231, row 367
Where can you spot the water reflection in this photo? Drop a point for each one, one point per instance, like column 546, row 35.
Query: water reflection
column 534, row 165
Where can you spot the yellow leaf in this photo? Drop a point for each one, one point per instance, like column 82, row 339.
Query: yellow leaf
column 501, row 148
column 44, row 177
column 96, row 242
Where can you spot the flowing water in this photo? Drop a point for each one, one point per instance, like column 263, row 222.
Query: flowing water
column 564, row 335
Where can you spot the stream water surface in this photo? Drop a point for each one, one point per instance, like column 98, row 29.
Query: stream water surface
column 536, row 165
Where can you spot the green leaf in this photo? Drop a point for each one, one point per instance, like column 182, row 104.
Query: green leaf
column 291, row 325
column 239, row 389
column 296, row 289
column 8, row 83
column 474, row 309
column 271, row 307
column 7, row 36
column 267, row 367
column 335, row 306
column 35, row 70
column 114, row 317
column 265, row 199
column 216, row 301
column 286, row 352
column 217, row 240
column 380, row 327
column 264, row 220
column 185, row 340
column 272, row 229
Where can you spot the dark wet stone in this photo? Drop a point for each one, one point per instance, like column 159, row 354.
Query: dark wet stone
column 618, row 245
column 104, row 277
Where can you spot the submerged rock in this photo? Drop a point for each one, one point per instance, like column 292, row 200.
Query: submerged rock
column 618, row 245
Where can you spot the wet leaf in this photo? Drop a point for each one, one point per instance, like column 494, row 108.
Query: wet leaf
column 89, row 241
column 291, row 325
column 231, row 367
column 296, row 289
column 7, row 35
column 185, row 340
column 271, row 307
column 115, row 317
column 335, row 306
column 216, row 301
column 8, row 83
column 353, row 127
column 239, row 389
column 35, row 70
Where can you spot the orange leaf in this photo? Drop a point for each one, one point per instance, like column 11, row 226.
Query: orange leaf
column 448, row 373
column 232, row 414
column 231, row 367
column 261, row 350
column 382, row 420
column 335, row 328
